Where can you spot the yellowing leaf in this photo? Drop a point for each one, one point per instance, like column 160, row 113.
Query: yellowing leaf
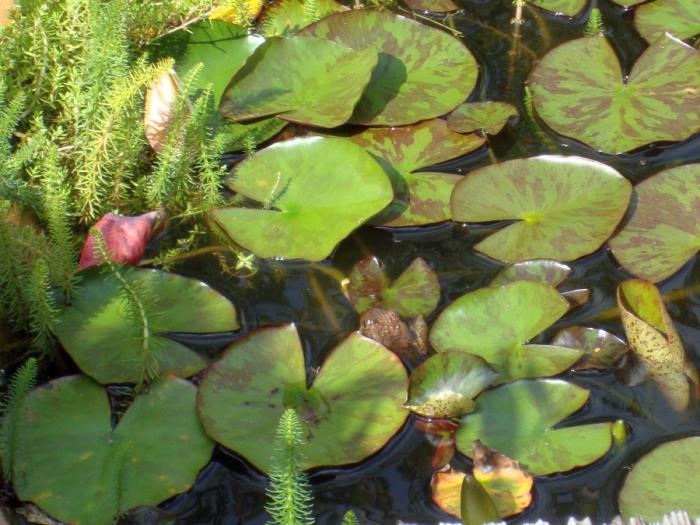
column 241, row 12
column 5, row 7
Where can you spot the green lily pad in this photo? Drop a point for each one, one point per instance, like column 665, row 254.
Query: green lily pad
column 286, row 17
column 545, row 271
column 664, row 230
column 496, row 323
column 415, row 292
column 433, row 6
column 601, row 350
column 237, row 135
column 105, row 339
column 567, row 7
column 665, row 479
column 422, row 72
column 566, row 207
column 476, row 116
column 74, row 465
column 446, row 384
column 518, row 420
column 579, row 90
column 301, row 79
column 350, row 411
column 309, row 203
column 681, row 18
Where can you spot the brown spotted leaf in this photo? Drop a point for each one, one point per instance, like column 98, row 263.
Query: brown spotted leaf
column 601, row 350
column 476, row 116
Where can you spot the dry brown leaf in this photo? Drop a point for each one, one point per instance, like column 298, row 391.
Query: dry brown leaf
column 160, row 99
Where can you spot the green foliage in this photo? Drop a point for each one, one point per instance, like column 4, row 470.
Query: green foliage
column 594, row 26
column 350, row 518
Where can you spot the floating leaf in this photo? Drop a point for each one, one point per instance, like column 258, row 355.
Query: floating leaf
column 71, row 462
column 446, row 384
column 567, row 7
column 496, row 323
column 463, row 496
column 160, row 98
column 600, row 349
column 309, row 204
column 433, row 6
column 579, row 90
column 517, row 419
column 476, row 116
column 108, row 344
column 350, row 411
column 281, row 78
column 415, row 292
column 440, row 433
column 422, row 72
column 387, row 327
column 664, row 230
column 286, row 17
column 238, row 136
column 654, row 340
column 565, row 207
column 577, row 297
column 680, row 18
column 666, row 478
column 545, row 271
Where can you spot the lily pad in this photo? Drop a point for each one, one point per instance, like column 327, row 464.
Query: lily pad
column 664, row 230
column 286, row 17
column 238, row 135
column 422, row 72
column 665, row 479
column 101, row 333
column 567, row 7
column 301, row 79
column 601, row 350
column 74, row 465
column 518, row 420
column 680, row 18
column 545, row 271
column 496, row 323
column 350, row 411
column 476, row 116
column 580, row 91
column 415, row 292
column 447, row 383
column 565, row 207
column 309, row 204
column 433, row 6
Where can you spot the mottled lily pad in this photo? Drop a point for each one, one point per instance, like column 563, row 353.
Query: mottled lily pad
column 476, row 116
column 433, row 6
column 74, row 465
column 286, row 17
column 496, row 323
column 106, row 340
column 281, row 79
column 680, row 18
column 309, row 204
column 421, row 197
column 422, row 72
column 567, row 7
column 580, row 91
column 350, row 411
column 664, row 230
column 601, row 350
column 518, row 420
column 565, row 207
column 415, row 292
column 545, row 271
column 666, row 479
column 447, row 383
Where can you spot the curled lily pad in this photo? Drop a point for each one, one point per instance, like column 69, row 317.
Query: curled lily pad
column 476, row 116
column 415, row 292
column 664, row 230
column 565, row 207
column 349, row 412
column 421, row 197
column 111, row 344
column 447, row 383
column 545, row 271
column 286, row 17
column 422, row 72
column 74, row 465
column 680, row 18
column 601, row 350
column 281, row 79
column 655, row 341
column 567, row 7
column 434, row 6
column 579, row 90
column 309, row 204
column 496, row 323
column 666, row 478
column 518, row 420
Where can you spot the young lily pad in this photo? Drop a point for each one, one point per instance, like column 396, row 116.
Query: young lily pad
column 566, row 207
column 476, row 116
column 601, row 350
column 422, row 72
column 309, row 203
column 286, row 17
column 680, row 18
column 545, row 271
column 654, row 340
column 567, row 7
column 109, row 342
column 665, row 479
column 301, row 79
column 424, row 197
column 518, row 420
column 664, row 231
column 579, row 90
column 415, row 292
column 74, row 465
column 350, row 411
column 447, row 383
column 496, row 323
column 434, row 6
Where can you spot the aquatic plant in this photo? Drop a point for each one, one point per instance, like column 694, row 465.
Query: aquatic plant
column 489, row 117
column 22, row 382
column 680, row 18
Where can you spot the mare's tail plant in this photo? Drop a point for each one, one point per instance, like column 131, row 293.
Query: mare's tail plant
column 350, row 518
column 594, row 26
